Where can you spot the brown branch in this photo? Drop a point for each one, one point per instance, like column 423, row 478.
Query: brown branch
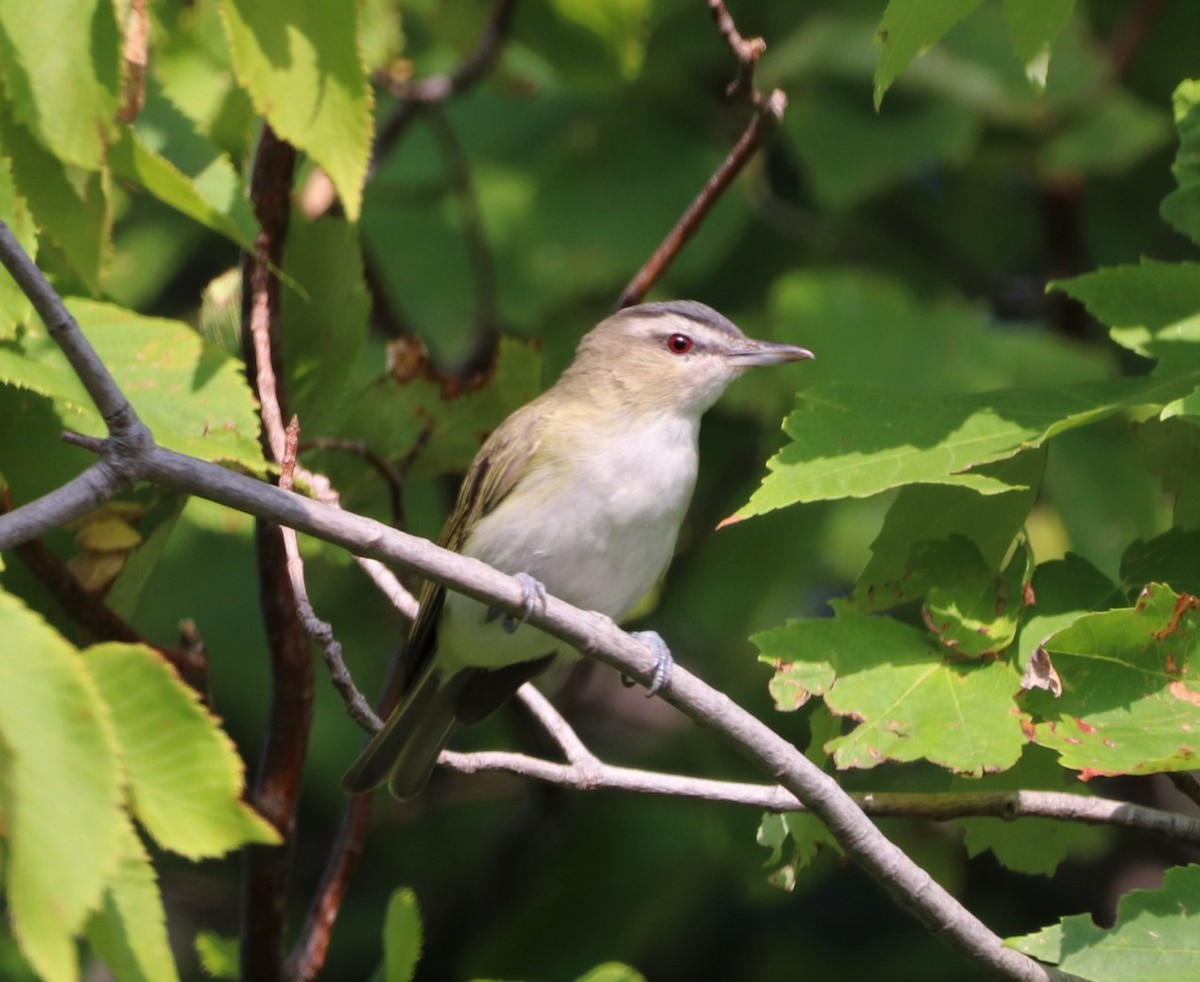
column 766, row 120
column 1130, row 34
column 392, row 478
column 308, row 955
column 414, row 96
column 768, row 113
column 276, row 787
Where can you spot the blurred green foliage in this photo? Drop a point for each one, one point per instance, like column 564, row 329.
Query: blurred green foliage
column 955, row 408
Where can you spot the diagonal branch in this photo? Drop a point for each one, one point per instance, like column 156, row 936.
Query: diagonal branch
column 768, row 114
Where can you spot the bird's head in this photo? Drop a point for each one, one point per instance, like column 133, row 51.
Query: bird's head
column 678, row 355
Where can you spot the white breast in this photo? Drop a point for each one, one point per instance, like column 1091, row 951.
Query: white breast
column 596, row 523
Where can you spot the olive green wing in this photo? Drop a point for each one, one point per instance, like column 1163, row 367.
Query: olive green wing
column 495, row 471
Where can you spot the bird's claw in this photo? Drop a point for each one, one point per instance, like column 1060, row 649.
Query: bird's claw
column 533, row 599
column 664, row 662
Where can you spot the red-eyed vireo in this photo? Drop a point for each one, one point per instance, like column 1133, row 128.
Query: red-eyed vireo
column 579, row 493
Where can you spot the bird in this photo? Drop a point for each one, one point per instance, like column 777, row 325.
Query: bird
column 580, row 493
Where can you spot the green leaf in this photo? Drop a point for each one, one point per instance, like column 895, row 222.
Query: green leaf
column 911, row 701
column 394, row 418
column 907, row 29
column 1171, row 449
column 185, row 777
column 325, row 326
column 72, row 208
column 299, row 61
column 1032, row 27
column 1035, row 846
column 15, row 308
column 1130, row 702
column 1182, row 207
column 402, row 936
column 1153, row 307
column 933, row 513
column 218, row 956
column 853, row 441
column 807, row 836
column 1153, row 937
column 132, row 160
column 193, row 396
column 129, row 931
column 61, row 62
column 1065, row 589
column 1108, row 136
column 60, row 788
column 619, row 24
column 851, row 155
column 974, row 610
column 1169, row 558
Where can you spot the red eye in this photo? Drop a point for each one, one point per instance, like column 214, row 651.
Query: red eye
column 679, row 344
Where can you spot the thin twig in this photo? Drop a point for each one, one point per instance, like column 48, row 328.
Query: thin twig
column 392, row 478
column 276, row 787
column 768, row 113
column 438, row 88
column 320, row 631
column 574, row 749
column 940, row 807
column 390, row 586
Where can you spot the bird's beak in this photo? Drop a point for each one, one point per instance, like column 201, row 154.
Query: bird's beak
column 768, row 353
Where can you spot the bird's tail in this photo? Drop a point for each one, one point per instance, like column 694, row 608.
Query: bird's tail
column 406, row 750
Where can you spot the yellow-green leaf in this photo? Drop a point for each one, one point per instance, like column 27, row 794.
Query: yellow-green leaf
column 185, row 777
column 60, row 788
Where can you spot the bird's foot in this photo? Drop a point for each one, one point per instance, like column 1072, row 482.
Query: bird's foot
column 663, row 661
column 533, row 599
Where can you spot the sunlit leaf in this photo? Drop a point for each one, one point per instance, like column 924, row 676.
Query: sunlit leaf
column 1182, row 207
column 402, row 937
column 185, row 776
column 1032, row 27
column 1153, row 936
column 60, row 790
column 300, row 62
column 907, row 29
column 1131, row 700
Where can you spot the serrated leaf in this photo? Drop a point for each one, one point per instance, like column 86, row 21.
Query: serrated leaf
column 133, row 161
column 402, row 936
column 1153, row 937
column 299, row 61
column 1032, row 27
column 74, row 210
column 1182, row 207
column 910, row 700
column 932, row 513
column 193, row 396
column 129, row 931
column 854, row 441
column 907, row 29
column 185, row 777
column 60, row 786
column 806, row 836
column 15, row 308
column 1153, row 307
column 1130, row 700
column 61, row 63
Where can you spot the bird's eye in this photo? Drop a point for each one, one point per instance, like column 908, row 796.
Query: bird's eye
column 679, row 344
